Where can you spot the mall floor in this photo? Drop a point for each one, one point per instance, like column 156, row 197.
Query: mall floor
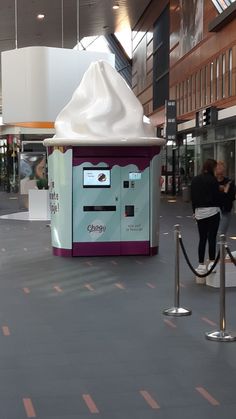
column 86, row 336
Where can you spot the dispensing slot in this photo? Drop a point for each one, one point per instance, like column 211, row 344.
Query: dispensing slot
column 99, row 208
column 129, row 210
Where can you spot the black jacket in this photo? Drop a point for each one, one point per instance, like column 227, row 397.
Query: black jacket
column 205, row 191
column 227, row 198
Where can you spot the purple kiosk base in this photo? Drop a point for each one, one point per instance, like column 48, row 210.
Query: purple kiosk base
column 107, row 249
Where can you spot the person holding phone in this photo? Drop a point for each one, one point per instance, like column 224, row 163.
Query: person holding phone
column 206, row 202
column 227, row 187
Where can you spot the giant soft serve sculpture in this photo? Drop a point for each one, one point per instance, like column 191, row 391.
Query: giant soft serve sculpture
column 103, row 127
column 103, row 109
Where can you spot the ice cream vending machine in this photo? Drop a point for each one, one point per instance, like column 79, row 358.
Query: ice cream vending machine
column 112, row 214
column 104, row 171
column 104, row 205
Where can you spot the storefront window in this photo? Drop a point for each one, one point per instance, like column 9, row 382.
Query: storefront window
column 217, row 77
column 3, row 164
column 207, row 152
column 200, row 87
column 9, row 149
column 205, row 85
column 190, row 94
column 211, row 81
column 230, row 71
column 223, row 75
column 226, row 153
column 186, row 159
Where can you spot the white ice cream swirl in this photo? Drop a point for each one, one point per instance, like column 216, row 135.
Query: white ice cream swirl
column 103, row 106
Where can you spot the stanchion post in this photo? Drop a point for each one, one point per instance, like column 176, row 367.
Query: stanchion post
column 222, row 283
column 177, row 310
column 221, row 335
column 177, row 234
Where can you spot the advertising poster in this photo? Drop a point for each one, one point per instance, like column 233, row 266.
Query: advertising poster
column 191, row 24
column 163, row 183
column 32, row 169
column 60, row 197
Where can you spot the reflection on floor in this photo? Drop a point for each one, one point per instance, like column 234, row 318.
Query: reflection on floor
column 21, row 216
column 83, row 336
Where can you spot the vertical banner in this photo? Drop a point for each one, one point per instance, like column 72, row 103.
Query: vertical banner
column 170, row 120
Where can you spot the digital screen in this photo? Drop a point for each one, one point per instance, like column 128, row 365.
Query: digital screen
column 135, row 176
column 96, row 178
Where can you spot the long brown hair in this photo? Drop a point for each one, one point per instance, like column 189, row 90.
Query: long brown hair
column 209, row 166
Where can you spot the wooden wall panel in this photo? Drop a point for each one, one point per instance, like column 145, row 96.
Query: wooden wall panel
column 158, row 117
column 190, row 90
column 208, row 89
column 219, row 81
column 210, row 47
column 150, row 47
column 150, row 15
column 144, row 30
column 210, row 13
column 149, row 64
column 150, row 78
column 146, row 95
column 194, row 95
column 214, row 82
column 140, row 64
column 197, row 64
column 134, row 80
column 227, row 74
column 196, row 103
column 149, row 36
column 234, row 71
column 137, row 40
column 148, row 108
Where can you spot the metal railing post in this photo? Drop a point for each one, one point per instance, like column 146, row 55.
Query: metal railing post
column 177, row 310
column 177, row 234
column 222, row 283
column 221, row 335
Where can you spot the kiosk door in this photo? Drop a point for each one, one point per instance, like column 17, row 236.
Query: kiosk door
column 96, row 204
column 110, row 207
column 135, row 231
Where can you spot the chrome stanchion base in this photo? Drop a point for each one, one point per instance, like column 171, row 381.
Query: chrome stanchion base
column 220, row 336
column 177, row 311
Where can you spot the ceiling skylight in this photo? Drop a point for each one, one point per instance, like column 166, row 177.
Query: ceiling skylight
column 222, row 5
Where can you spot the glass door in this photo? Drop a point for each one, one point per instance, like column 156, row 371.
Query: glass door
column 226, row 153
column 3, row 165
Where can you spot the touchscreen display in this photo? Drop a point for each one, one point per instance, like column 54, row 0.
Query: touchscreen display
column 96, row 178
column 135, row 175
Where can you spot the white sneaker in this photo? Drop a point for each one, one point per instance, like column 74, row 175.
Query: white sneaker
column 201, row 269
column 210, row 264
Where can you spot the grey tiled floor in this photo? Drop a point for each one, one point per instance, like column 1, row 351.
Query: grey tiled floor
column 61, row 340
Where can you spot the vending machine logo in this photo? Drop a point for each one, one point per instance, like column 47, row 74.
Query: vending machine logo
column 96, row 229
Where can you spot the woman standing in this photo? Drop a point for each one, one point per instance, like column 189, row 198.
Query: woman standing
column 206, row 201
column 227, row 198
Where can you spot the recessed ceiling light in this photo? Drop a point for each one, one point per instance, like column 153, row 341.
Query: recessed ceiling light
column 40, row 16
column 116, row 6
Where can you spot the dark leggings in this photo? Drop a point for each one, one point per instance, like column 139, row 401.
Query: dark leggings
column 208, row 228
